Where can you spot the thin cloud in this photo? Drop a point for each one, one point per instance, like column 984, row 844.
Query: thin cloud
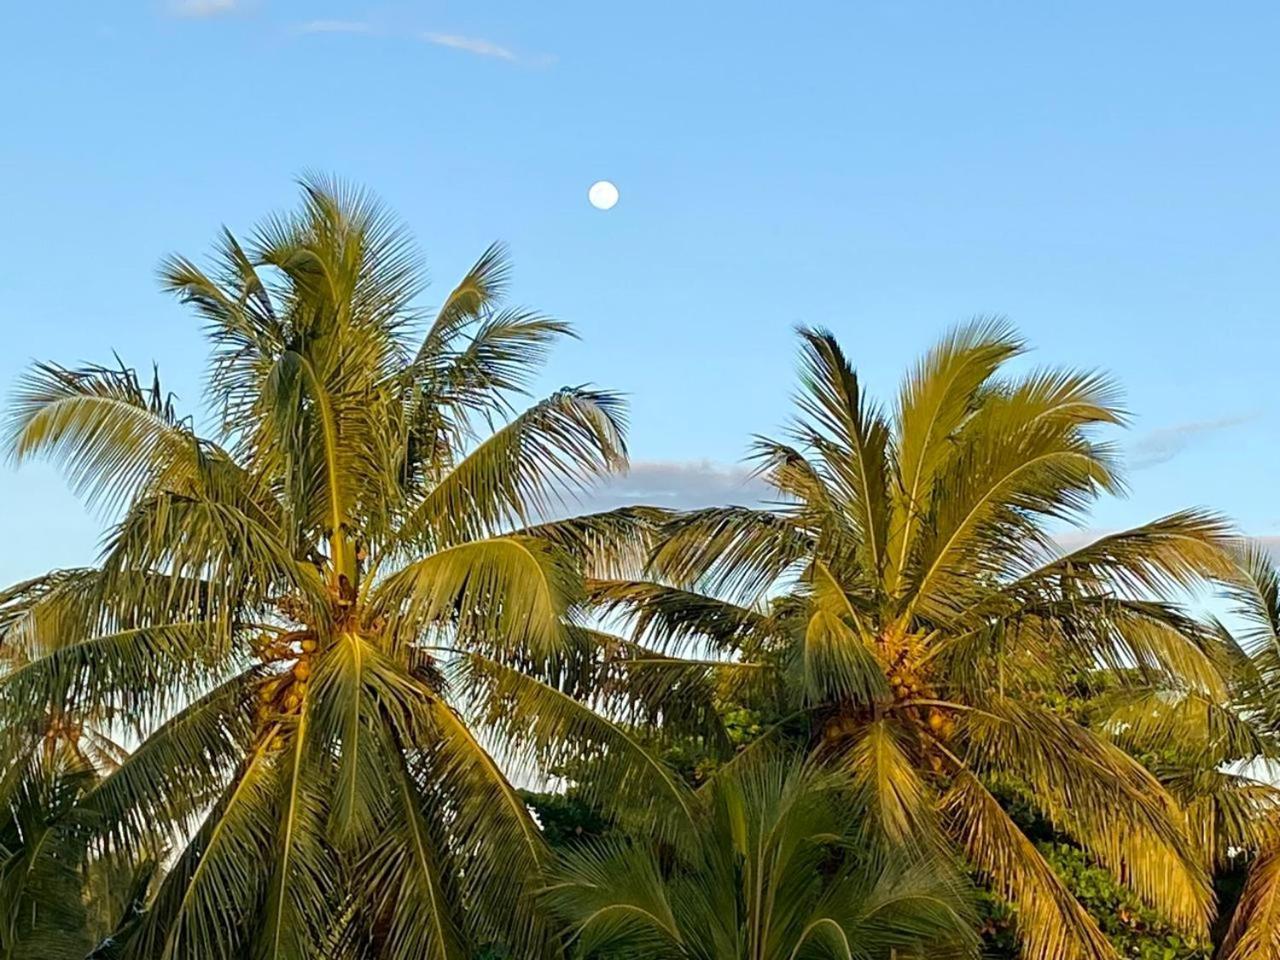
column 678, row 485
column 1271, row 544
column 200, row 9
column 1162, row 445
column 335, row 26
column 477, row 46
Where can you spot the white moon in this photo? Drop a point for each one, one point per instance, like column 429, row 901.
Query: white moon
column 603, row 195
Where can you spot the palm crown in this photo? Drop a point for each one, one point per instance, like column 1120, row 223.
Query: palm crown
column 778, row 872
column 905, row 603
column 275, row 609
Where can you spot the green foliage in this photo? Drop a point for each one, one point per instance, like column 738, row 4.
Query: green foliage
column 296, row 618
column 774, row 871
column 902, row 606
column 330, row 627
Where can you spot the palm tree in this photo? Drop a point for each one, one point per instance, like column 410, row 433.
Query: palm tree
column 1219, row 757
column 277, row 609
column 778, row 872
column 905, row 604
column 54, row 900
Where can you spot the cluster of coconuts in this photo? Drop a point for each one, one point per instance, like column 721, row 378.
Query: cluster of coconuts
column 283, row 694
column 60, row 728
column 941, row 723
column 906, row 684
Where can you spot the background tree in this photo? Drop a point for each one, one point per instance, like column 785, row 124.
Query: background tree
column 780, row 871
column 1219, row 757
column 908, row 611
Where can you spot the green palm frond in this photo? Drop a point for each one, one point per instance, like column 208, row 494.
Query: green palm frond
column 852, row 437
column 1255, row 928
column 549, row 727
column 113, row 436
column 607, row 545
column 221, row 874
column 670, row 618
column 1100, row 795
column 551, row 450
column 514, row 588
column 484, row 285
column 899, row 805
column 302, row 891
column 138, row 672
column 1052, row 924
column 934, row 402
column 735, row 550
column 775, row 874
column 1254, row 587
column 164, row 783
column 495, row 837
column 408, row 891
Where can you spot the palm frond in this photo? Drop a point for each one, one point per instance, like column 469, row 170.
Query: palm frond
column 1051, row 923
column 504, row 592
column 608, row 545
column 1255, row 927
column 546, row 454
column 735, row 550
column 112, row 436
column 936, row 397
column 548, row 728
column 1103, row 797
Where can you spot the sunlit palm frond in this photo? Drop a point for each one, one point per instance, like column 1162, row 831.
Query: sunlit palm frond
column 548, row 728
column 736, row 550
column 483, row 286
column 221, row 873
column 936, row 397
column 1052, row 925
column 1254, row 588
column 668, row 618
column 545, row 455
column 501, row 592
column 612, row 544
column 408, row 887
column 113, row 437
column 1255, row 928
column 166, row 782
column 1102, row 796
column 493, row 834
column 899, row 804
column 852, row 438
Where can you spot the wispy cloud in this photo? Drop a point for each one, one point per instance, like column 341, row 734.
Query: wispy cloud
column 477, row 45
column 335, row 26
column 199, row 9
column 1271, row 544
column 678, row 484
column 1162, row 445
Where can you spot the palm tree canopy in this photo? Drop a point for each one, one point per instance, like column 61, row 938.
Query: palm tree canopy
column 906, row 597
column 779, row 872
column 275, row 607
column 1222, row 767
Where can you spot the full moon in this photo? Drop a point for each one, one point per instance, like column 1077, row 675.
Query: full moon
column 603, row 195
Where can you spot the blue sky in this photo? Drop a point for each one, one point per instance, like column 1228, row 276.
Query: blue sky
column 1104, row 174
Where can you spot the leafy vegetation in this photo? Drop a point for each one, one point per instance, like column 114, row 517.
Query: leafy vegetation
column 285, row 714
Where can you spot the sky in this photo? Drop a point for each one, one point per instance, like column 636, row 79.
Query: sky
column 1103, row 174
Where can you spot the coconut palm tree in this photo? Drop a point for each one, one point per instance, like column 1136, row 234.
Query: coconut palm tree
column 1219, row 758
column 779, row 872
column 907, row 608
column 277, row 607
column 55, row 901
